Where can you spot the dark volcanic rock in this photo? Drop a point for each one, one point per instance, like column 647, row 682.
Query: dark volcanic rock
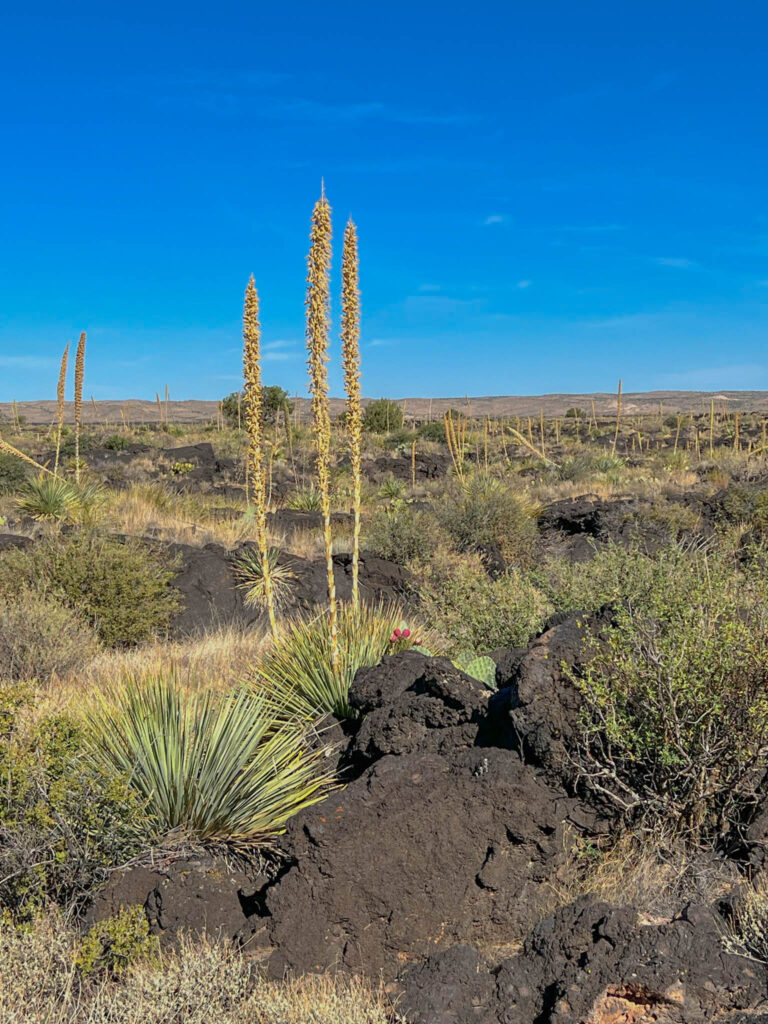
column 595, row 962
column 11, row 541
column 428, row 467
column 189, row 895
column 291, row 520
column 413, row 702
column 418, row 853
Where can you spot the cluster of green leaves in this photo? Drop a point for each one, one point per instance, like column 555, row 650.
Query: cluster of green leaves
column 121, row 587
column 114, row 945
column 399, row 532
column 675, row 722
column 63, row 821
column 470, row 611
column 49, row 498
column 383, row 416
column 40, row 637
column 275, row 402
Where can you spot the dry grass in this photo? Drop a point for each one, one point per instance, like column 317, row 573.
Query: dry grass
column 202, row 982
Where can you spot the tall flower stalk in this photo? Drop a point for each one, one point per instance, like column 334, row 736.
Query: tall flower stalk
column 60, row 397
column 254, row 423
column 79, row 375
column 317, row 306
column 350, row 354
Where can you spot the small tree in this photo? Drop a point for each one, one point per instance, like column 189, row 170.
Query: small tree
column 382, row 416
column 275, row 402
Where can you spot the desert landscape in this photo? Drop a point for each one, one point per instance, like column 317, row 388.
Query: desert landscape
column 326, row 698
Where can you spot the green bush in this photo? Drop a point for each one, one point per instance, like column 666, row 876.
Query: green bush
column 383, row 416
column 400, row 533
column 122, row 588
column 434, row 431
column 208, row 765
column 113, row 946
column 40, row 637
column 63, row 822
column 675, row 725
column 116, row 442
column 485, row 513
column 469, row 611
column 13, row 473
column 276, row 402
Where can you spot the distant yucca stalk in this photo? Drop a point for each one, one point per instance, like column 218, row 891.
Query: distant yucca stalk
column 254, row 424
column 79, row 375
column 618, row 419
column 60, row 396
column 350, row 354
column 317, row 307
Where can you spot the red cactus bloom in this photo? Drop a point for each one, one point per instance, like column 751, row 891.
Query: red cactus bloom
column 406, row 633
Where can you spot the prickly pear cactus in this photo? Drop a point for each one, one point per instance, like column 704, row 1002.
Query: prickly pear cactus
column 480, row 667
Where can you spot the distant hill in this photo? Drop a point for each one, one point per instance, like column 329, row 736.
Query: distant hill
column 634, row 403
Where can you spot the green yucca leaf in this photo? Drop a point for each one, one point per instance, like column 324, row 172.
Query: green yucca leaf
column 210, row 766
column 298, row 669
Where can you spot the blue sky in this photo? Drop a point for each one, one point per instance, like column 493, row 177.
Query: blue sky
column 549, row 196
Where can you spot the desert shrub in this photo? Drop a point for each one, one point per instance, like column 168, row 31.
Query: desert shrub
column 383, row 416
column 196, row 983
column 63, row 822
column 748, row 933
column 469, row 611
column 614, row 573
column 392, row 489
column 434, row 431
column 121, row 588
column 574, row 413
column 589, row 465
column 40, row 637
column 744, row 505
column 114, row 945
column 116, row 442
column 207, row 765
column 298, row 666
column 306, row 499
column 400, row 533
column 675, row 721
column 276, row 402
column 485, row 514
column 13, row 473
column 400, row 439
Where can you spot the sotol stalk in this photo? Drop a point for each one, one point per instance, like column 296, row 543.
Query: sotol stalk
column 60, row 397
column 317, row 306
column 79, row 375
column 350, row 352
column 254, row 422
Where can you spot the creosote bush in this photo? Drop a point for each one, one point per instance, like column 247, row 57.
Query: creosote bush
column 63, row 822
column 484, row 514
column 469, row 611
column 400, row 533
column 122, row 588
column 382, row 416
column 13, row 473
column 41, row 638
column 675, row 723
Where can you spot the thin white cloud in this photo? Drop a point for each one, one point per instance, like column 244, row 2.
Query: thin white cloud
column 523, row 284
column 494, row 218
column 30, row 363
column 280, row 357
column 280, row 343
column 679, row 264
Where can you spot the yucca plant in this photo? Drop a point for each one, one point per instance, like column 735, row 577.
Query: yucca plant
column 79, row 376
column 350, row 353
column 48, row 498
column 317, row 305
column 60, row 396
column 299, row 670
column 307, row 499
column 254, row 422
column 210, row 766
column 248, row 567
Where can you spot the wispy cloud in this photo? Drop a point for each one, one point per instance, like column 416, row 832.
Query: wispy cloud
column 30, row 363
column 271, row 346
column 433, row 287
column 523, row 284
column 679, row 264
column 494, row 218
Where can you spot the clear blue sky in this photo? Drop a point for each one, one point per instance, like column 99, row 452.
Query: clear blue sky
column 549, row 195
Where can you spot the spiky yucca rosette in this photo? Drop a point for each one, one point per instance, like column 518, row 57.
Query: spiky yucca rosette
column 350, row 354
column 255, row 428
column 317, row 307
